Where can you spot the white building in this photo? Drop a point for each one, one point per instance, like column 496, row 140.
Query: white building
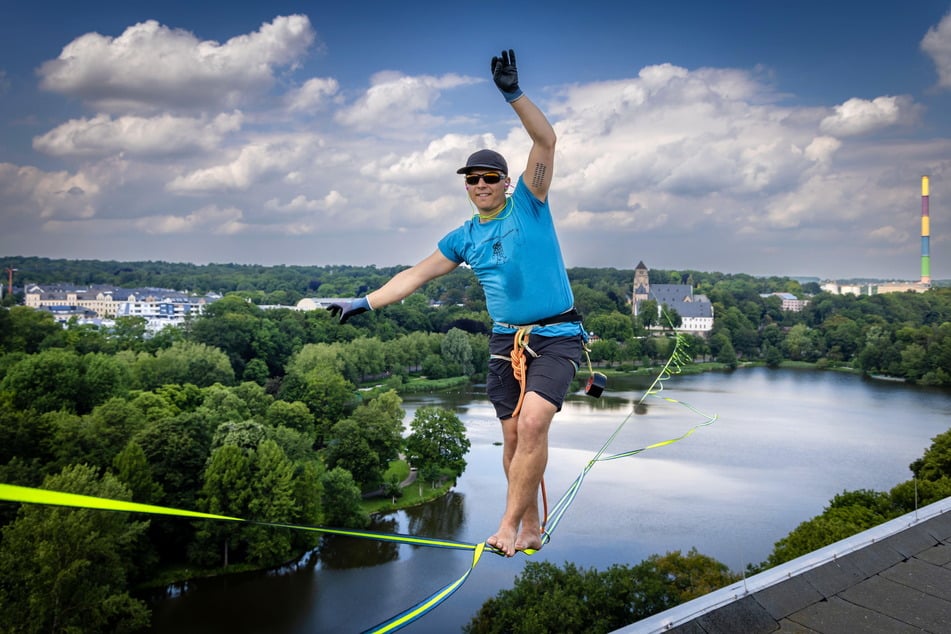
column 160, row 307
column 790, row 302
column 696, row 311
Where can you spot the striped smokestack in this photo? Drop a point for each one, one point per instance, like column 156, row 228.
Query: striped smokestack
column 925, row 234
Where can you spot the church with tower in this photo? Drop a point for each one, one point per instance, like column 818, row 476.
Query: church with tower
column 696, row 311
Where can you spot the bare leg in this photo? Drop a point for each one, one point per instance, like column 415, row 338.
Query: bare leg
column 525, row 455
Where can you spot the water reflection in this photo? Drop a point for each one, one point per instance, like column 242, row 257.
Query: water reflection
column 785, row 443
column 442, row 519
column 338, row 552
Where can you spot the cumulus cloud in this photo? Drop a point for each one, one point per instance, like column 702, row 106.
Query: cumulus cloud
column 313, row 95
column 253, row 161
column 890, row 235
column 28, row 191
column 716, row 156
column 861, row 116
column 151, row 66
column 937, row 44
column 399, row 102
column 208, row 219
column 333, row 200
column 138, row 136
column 679, row 132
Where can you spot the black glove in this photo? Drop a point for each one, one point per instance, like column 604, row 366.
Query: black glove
column 505, row 75
column 347, row 309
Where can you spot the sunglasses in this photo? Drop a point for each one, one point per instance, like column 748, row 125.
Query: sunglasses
column 490, row 178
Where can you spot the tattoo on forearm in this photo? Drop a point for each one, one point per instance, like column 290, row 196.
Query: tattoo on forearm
column 539, row 177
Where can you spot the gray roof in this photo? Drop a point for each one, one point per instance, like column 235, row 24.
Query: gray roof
column 88, row 293
column 680, row 297
column 895, row 577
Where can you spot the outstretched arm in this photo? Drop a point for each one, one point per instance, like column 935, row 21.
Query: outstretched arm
column 408, row 280
column 541, row 158
column 399, row 286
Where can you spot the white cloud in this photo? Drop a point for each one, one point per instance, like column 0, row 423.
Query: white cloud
column 396, row 102
column 890, row 235
column 313, row 95
column 713, row 158
column 27, row 191
column 139, row 136
column 822, row 148
column 333, row 200
column 685, row 133
column 861, row 116
column 937, row 44
column 209, row 219
column 253, row 161
column 151, row 66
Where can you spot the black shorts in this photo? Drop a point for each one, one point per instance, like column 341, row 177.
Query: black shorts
column 549, row 374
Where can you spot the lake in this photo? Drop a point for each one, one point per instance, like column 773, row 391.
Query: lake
column 784, row 443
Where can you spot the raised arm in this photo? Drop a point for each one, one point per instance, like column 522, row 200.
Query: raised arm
column 541, row 158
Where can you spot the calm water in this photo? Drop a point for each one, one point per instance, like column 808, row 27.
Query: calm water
column 784, row 444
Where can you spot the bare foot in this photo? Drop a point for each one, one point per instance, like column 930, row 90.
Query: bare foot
column 529, row 539
column 504, row 541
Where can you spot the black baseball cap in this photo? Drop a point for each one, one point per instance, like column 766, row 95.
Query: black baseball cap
column 487, row 159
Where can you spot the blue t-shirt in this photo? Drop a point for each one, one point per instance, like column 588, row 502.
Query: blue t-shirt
column 518, row 261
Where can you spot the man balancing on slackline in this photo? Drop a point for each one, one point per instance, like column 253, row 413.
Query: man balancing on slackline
column 512, row 247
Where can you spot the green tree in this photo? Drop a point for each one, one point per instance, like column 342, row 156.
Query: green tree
column 272, row 500
column 177, row 448
column 25, row 435
column 834, row 524
column 103, row 377
column 381, row 420
column 437, row 441
column 363, row 358
column 293, row 415
column 348, row 448
column 65, row 570
column 255, row 397
column 800, row 344
column 30, row 330
column 183, row 362
column 226, row 490
column 457, row 351
column 247, row 434
column 727, row 355
column 47, row 381
column 325, row 392
column 773, row 356
column 914, row 361
column 132, row 469
column 612, row 326
column 129, row 332
column 230, row 325
column 341, row 503
column 936, row 461
column 605, row 350
column 256, row 370
column 648, row 314
column 546, row 598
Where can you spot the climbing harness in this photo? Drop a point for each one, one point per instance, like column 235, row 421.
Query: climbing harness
column 594, row 386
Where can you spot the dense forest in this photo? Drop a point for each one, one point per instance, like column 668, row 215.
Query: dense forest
column 258, row 412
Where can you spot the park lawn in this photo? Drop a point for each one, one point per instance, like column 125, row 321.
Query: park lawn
column 417, row 493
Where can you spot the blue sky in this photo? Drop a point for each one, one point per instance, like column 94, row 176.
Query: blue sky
column 745, row 137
